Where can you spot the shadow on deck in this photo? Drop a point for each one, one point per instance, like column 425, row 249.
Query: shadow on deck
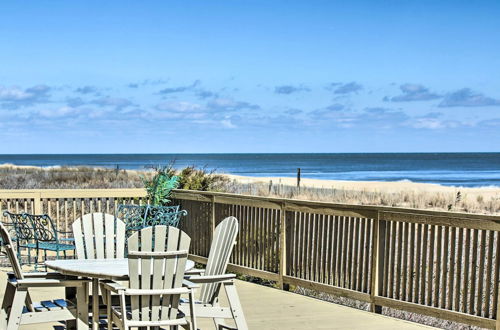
column 267, row 308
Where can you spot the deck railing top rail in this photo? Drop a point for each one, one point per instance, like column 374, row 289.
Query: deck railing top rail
column 278, row 202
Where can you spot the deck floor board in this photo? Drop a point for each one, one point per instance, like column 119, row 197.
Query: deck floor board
column 271, row 309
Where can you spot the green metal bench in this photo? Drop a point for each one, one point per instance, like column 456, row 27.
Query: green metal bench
column 38, row 232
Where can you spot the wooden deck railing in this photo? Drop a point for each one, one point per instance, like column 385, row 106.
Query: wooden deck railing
column 440, row 264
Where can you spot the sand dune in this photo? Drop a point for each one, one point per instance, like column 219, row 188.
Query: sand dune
column 373, row 186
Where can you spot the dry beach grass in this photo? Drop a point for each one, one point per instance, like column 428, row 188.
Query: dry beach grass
column 398, row 194
column 402, row 194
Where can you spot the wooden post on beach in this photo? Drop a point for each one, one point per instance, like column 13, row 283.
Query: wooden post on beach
column 298, row 179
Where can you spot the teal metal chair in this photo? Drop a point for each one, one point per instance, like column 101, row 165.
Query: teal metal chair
column 137, row 217
column 38, row 232
column 24, row 235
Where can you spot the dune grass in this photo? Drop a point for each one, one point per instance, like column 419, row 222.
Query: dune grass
column 457, row 202
column 29, row 177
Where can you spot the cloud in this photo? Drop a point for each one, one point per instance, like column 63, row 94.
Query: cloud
column 179, row 110
column 492, row 123
column 85, row 90
column 293, row 112
column 58, row 112
column 226, row 104
column 465, row 97
column 116, row 102
column 180, row 89
column 380, row 118
column 413, row 92
column 331, row 111
column 180, row 106
column 432, row 120
column 371, row 117
column 348, row 88
column 204, row 94
column 15, row 97
column 227, row 123
column 147, row 82
column 75, row 101
column 289, row 89
column 215, row 111
column 430, row 123
column 332, row 86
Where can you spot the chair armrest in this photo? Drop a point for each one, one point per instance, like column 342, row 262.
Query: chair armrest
column 210, row 278
column 64, row 232
column 189, row 284
column 194, row 271
column 112, row 286
column 29, row 283
column 156, row 292
column 38, row 275
column 51, row 275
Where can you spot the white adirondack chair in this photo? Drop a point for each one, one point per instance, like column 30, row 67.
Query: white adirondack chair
column 99, row 236
column 17, row 307
column 157, row 259
column 214, row 277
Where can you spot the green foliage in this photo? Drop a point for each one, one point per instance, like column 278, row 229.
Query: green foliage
column 160, row 186
column 193, row 178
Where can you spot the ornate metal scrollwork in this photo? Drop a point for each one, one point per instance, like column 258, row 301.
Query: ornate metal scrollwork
column 22, row 226
column 137, row 217
column 44, row 228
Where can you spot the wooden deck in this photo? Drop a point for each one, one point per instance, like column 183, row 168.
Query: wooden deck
column 267, row 308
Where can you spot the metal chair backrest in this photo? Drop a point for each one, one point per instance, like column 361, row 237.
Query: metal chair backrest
column 22, row 226
column 99, row 236
column 223, row 242
column 8, row 247
column 43, row 227
column 137, row 217
column 157, row 259
column 163, row 215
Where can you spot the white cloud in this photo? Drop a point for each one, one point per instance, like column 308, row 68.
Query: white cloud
column 59, row 112
column 179, row 107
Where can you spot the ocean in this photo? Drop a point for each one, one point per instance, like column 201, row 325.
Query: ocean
column 450, row 169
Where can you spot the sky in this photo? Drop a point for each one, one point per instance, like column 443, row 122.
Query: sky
column 249, row 76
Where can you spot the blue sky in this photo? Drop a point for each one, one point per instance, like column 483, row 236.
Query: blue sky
column 249, row 76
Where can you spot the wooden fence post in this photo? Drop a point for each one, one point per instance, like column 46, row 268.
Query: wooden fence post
column 212, row 216
column 377, row 265
column 37, row 203
column 283, row 249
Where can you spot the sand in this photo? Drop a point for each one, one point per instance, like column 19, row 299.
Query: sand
column 373, row 186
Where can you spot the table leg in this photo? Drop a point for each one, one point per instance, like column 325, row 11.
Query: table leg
column 70, row 295
column 82, row 307
column 95, row 304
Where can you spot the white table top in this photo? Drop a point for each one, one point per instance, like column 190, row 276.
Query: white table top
column 108, row 269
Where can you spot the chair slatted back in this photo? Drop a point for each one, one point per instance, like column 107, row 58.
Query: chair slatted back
column 164, row 270
column 223, row 242
column 99, row 236
column 10, row 252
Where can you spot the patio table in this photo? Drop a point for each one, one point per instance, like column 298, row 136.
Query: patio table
column 96, row 269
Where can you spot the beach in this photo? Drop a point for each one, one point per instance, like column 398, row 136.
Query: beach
column 373, row 186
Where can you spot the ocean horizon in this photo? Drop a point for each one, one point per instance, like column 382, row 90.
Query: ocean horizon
column 449, row 169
